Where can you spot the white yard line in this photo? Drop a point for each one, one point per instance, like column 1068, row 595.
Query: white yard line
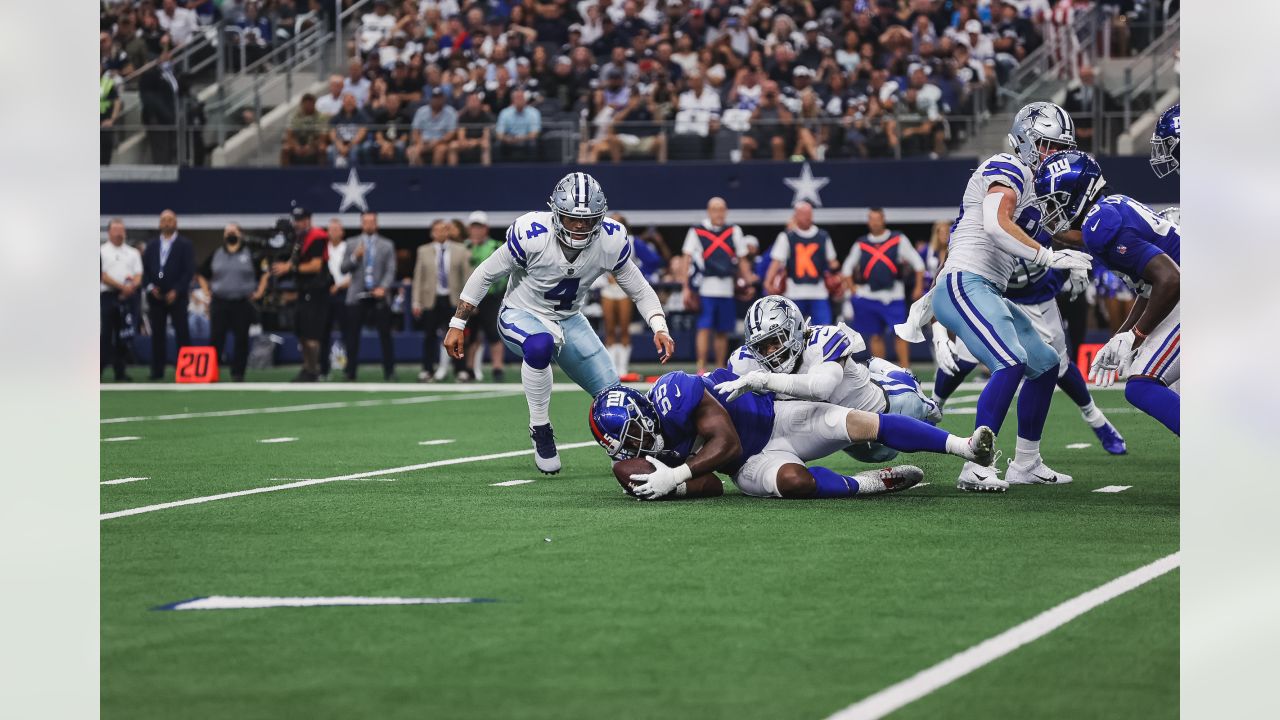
column 321, row 481
column 223, row 602
column 122, row 438
column 442, row 441
column 964, row 398
column 1078, row 446
column 270, row 441
column 1113, row 488
column 509, row 483
column 311, row 406
column 122, row 481
column 957, row 666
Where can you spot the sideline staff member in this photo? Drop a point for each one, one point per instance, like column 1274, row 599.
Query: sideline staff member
column 168, row 263
column 310, row 271
column 233, row 281
column 121, row 278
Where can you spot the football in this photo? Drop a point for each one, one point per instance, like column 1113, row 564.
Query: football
column 624, row 469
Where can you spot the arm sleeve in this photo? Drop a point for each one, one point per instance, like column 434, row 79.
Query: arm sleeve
column 495, row 266
column 908, row 253
column 739, row 242
column 638, row 289
column 991, row 224
column 691, row 246
column 851, row 262
column 817, row 384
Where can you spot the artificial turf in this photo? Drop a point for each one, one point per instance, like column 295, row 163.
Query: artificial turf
column 727, row 608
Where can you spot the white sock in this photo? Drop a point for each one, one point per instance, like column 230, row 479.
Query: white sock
column 1027, row 452
column 1093, row 415
column 615, row 358
column 959, row 447
column 624, row 359
column 537, row 390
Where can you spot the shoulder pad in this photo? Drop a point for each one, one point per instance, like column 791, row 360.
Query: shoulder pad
column 743, row 361
column 830, row 343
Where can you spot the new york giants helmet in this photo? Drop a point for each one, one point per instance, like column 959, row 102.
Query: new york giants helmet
column 774, row 330
column 1067, row 185
column 577, row 207
column 1165, row 154
column 1039, row 130
column 625, row 424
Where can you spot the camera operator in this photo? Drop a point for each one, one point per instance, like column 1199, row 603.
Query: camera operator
column 233, row 282
column 310, row 271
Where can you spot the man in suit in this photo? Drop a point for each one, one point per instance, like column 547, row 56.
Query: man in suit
column 370, row 260
column 442, row 268
column 158, row 92
column 168, row 265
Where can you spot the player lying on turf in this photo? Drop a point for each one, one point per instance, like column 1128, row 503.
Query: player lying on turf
column 552, row 259
column 1142, row 248
column 687, row 430
column 826, row 363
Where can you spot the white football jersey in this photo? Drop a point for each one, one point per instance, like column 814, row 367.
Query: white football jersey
column 828, row 343
column 543, row 281
column 970, row 248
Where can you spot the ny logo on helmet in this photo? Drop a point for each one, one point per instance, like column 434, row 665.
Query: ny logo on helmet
column 1059, row 167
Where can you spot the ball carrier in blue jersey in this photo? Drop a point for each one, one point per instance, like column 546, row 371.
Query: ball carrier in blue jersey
column 1034, row 289
column 1144, row 249
column 985, row 245
column 689, row 430
column 552, row 258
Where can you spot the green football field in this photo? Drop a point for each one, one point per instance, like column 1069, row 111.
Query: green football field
column 605, row 607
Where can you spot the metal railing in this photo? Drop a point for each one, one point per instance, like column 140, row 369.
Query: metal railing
column 1058, row 59
column 1142, row 79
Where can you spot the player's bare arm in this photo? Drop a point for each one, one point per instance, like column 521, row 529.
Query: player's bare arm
column 453, row 340
column 1165, row 278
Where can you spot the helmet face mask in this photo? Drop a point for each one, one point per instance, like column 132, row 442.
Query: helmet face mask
column 1066, row 187
column 775, row 333
column 578, row 206
column 1165, row 141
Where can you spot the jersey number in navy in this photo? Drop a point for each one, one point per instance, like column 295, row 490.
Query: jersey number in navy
column 565, row 292
column 535, row 230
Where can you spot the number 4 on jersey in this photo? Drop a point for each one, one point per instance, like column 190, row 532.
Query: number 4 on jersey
column 535, row 230
column 565, row 293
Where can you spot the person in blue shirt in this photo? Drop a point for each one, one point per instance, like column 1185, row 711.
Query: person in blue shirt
column 1144, row 249
column 688, row 431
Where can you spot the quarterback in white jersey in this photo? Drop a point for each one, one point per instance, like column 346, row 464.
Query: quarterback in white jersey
column 552, row 258
column 833, row 366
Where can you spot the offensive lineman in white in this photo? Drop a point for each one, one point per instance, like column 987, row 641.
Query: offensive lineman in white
column 552, row 258
column 823, row 363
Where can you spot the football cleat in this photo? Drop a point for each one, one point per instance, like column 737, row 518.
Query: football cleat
column 544, row 446
column 1037, row 474
column 983, row 445
column 978, row 478
column 872, row 453
column 888, row 480
column 1110, row 439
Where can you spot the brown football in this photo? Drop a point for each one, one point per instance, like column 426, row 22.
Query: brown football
column 624, row 469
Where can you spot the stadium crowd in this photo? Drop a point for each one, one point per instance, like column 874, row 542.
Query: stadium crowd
column 459, row 81
column 372, row 282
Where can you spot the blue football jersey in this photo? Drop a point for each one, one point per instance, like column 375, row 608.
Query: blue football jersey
column 676, row 395
column 1125, row 235
column 1033, row 284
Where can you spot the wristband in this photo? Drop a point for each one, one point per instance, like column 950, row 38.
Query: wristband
column 658, row 324
column 1138, row 333
column 457, row 323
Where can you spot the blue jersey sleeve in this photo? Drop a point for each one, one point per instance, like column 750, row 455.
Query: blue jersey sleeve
column 676, row 396
column 1104, row 235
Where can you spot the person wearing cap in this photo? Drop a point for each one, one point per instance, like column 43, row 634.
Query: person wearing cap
column 370, row 260
column 168, row 266
column 471, row 144
column 310, row 271
column 434, row 126
column 305, row 139
column 482, row 246
column 811, row 50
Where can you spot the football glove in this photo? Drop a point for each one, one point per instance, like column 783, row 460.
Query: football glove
column 944, row 350
column 661, row 482
column 1077, row 282
column 1063, row 259
column 1112, row 361
column 751, row 382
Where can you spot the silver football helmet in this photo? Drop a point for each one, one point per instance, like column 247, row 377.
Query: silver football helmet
column 1039, row 130
column 775, row 332
column 577, row 207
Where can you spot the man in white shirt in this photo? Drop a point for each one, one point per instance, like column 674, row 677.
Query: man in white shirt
column 330, row 104
column 121, row 270
column 802, row 256
column 699, row 108
column 717, row 251
column 355, row 83
column 337, row 296
column 876, row 267
column 180, row 23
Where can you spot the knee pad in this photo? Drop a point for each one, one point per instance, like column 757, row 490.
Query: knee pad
column 538, row 349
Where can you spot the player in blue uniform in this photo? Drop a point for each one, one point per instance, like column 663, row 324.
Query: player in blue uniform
column 689, row 430
column 1143, row 248
column 1034, row 289
column 1166, row 155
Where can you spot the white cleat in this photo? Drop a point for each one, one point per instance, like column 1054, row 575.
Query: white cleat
column 888, row 480
column 1037, row 474
column 980, row 478
column 983, row 446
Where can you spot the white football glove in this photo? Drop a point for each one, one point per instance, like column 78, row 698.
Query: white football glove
column 1063, row 259
column 944, row 350
column 1112, row 361
column 1077, row 282
column 751, row 382
column 661, row 482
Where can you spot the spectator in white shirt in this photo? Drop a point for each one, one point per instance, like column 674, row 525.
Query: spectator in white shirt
column 121, row 270
column 376, row 27
column 179, row 22
column 356, row 84
column 699, row 108
column 330, row 104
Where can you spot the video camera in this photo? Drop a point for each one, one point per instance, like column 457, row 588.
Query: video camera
column 279, row 246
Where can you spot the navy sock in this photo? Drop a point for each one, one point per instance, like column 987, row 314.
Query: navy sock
column 997, row 396
column 1153, row 398
column 832, row 484
column 945, row 384
column 1033, row 404
column 1072, row 383
column 911, row 435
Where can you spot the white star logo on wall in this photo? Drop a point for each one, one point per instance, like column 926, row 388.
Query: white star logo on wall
column 806, row 186
column 353, row 192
